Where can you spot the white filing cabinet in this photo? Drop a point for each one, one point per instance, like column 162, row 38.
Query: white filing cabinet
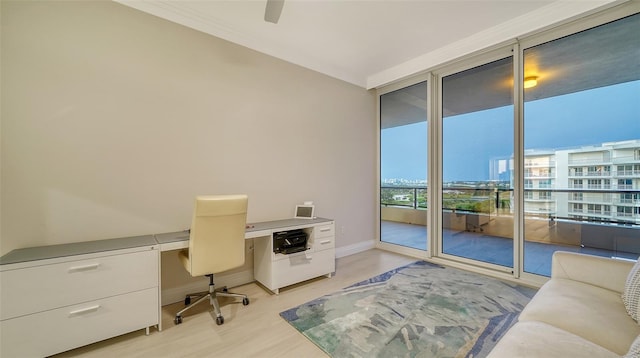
column 57, row 298
column 275, row 271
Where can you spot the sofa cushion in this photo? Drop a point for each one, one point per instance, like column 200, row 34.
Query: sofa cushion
column 634, row 351
column 538, row 339
column 588, row 311
column 631, row 294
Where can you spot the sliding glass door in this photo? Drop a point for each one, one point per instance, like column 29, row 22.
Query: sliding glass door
column 403, row 167
column 477, row 147
column 535, row 148
column 582, row 145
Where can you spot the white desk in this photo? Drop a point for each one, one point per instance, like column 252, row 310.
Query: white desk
column 59, row 297
column 272, row 270
column 180, row 239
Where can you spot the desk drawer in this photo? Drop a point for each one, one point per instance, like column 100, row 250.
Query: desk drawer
column 40, row 288
column 303, row 267
column 324, row 231
column 50, row 332
column 324, row 243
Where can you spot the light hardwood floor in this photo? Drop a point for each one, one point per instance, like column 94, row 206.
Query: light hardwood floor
column 256, row 330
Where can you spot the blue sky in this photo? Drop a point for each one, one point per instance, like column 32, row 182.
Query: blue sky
column 471, row 140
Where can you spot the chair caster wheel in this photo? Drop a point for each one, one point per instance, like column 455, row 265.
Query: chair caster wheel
column 245, row 301
column 187, row 301
column 219, row 320
column 177, row 320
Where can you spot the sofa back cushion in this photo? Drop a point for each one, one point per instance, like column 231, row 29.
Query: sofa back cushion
column 631, row 294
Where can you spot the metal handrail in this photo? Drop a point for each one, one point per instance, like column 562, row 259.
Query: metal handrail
column 497, row 192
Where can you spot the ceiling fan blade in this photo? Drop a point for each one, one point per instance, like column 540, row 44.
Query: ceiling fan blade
column 273, row 10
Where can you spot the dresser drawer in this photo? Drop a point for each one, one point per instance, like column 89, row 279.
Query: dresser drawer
column 50, row 332
column 324, row 231
column 40, row 288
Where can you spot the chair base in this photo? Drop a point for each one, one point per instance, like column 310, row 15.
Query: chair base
column 212, row 295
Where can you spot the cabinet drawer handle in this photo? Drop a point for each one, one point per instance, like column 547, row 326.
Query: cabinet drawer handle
column 83, row 268
column 325, row 242
column 84, row 310
column 325, row 229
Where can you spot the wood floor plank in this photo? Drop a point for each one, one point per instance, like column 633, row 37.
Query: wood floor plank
column 256, row 330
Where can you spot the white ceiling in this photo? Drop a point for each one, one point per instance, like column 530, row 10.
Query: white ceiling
column 369, row 43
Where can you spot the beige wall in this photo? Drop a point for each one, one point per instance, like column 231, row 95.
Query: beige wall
column 113, row 120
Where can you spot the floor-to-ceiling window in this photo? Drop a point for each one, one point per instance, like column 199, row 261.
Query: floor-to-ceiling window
column 403, row 167
column 477, row 147
column 526, row 165
column 581, row 133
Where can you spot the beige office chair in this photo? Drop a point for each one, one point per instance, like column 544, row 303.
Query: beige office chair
column 216, row 244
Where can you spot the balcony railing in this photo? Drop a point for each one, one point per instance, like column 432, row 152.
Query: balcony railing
column 626, row 159
column 498, row 201
column 544, row 164
column 588, row 161
column 628, row 201
column 628, row 173
column 404, row 196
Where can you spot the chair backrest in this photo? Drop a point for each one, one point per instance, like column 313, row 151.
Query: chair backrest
column 216, row 241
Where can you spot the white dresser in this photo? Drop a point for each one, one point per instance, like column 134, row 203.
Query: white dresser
column 275, row 271
column 56, row 298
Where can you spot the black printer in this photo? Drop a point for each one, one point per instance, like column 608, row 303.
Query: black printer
column 289, row 242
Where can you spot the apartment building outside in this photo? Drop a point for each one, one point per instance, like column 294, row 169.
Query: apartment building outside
column 594, row 184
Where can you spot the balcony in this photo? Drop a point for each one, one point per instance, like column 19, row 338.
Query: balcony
column 596, row 160
column 540, row 164
column 628, row 201
column 598, row 186
column 590, row 174
column 629, row 159
column 498, row 250
column 487, row 236
column 628, row 173
column 598, row 174
column 543, row 173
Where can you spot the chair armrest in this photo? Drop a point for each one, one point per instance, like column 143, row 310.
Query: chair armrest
column 594, row 270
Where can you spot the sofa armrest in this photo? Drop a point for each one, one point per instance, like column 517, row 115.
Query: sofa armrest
column 594, row 270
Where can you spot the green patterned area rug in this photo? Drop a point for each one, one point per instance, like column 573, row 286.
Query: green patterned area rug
column 419, row 310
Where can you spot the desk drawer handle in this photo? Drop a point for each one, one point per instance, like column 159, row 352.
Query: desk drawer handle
column 84, row 310
column 325, row 229
column 83, row 268
column 325, row 242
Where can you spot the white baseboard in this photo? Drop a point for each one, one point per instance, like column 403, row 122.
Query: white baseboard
column 177, row 294
column 354, row 248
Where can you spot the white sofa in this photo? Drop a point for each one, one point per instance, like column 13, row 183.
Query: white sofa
column 578, row 313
